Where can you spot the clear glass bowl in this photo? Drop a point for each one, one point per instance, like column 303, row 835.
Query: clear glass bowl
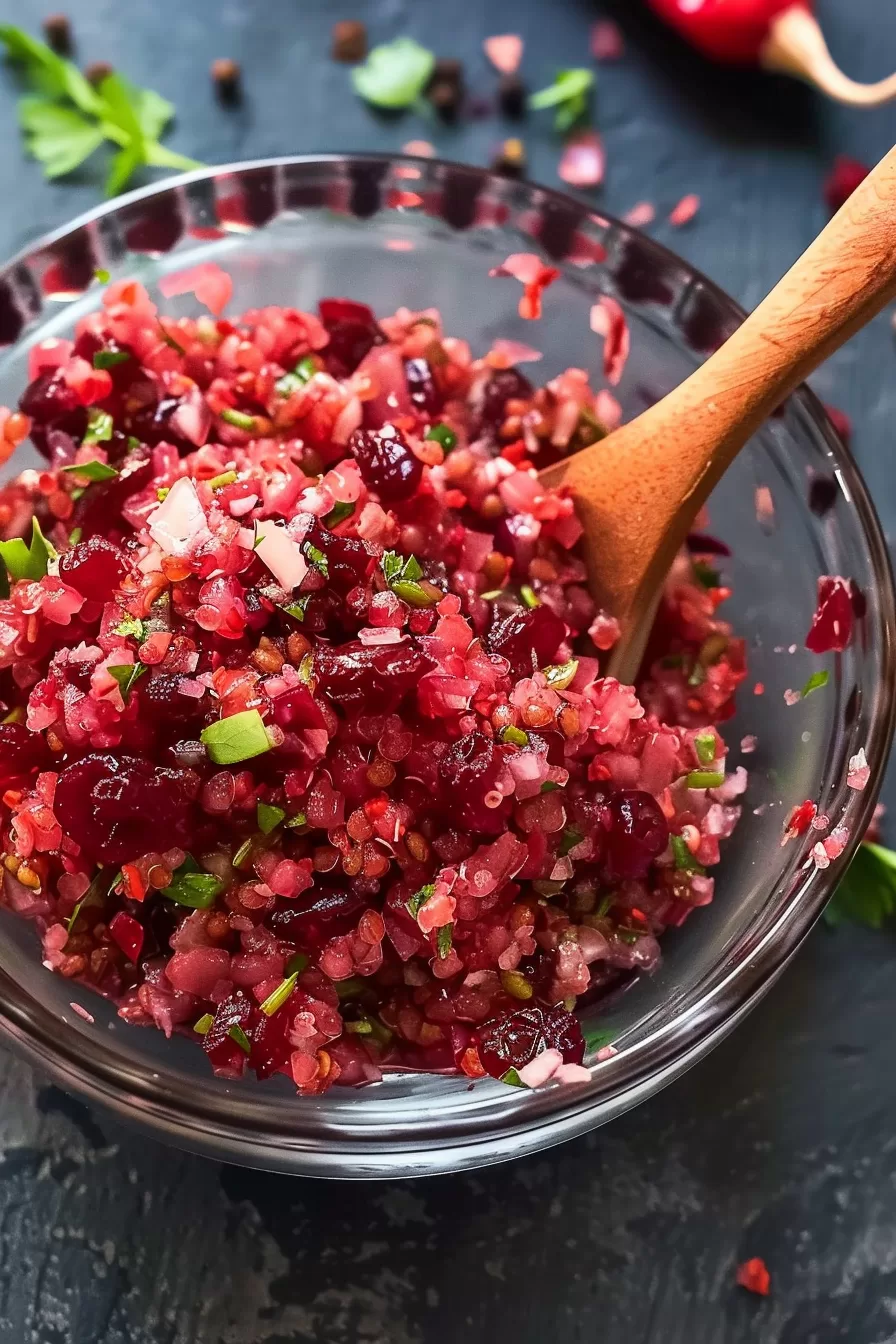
column 393, row 231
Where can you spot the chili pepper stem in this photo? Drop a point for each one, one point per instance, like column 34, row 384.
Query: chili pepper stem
column 796, row 46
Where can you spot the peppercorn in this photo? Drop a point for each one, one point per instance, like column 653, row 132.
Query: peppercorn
column 225, row 74
column 512, row 95
column 97, row 71
column 510, row 160
column 349, row 41
column 446, row 88
column 58, row 32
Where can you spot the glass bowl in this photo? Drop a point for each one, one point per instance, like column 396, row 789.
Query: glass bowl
column 393, row 231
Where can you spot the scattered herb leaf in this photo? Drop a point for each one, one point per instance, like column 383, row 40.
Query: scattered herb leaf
column 341, row 510
column 191, row 887
column 394, row 74
column 569, row 94
column 237, row 1034
column 130, row 625
column 126, row 676
column 204, row 1025
column 867, row 890
column 705, row 747
column 705, row 779
column 278, row 997
column 443, row 435
column 444, row 940
column 269, row 817
column 27, row 562
column 419, row 899
column 92, row 471
column 815, row 683
column 107, row 359
column 684, row 859
column 236, row 738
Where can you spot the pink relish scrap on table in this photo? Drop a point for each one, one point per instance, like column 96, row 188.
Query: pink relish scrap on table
column 306, row 753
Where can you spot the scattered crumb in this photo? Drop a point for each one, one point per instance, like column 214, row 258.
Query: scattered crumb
column 684, row 211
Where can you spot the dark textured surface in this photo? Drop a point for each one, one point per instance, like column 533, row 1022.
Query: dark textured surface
column 781, row 1143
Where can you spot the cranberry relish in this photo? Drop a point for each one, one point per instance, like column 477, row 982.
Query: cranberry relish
column 306, row 751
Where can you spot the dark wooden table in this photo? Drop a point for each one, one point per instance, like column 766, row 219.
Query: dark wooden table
column 779, row 1145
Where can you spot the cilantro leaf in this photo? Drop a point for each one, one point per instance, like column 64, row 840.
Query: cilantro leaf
column 92, row 471
column 815, row 682
column 126, row 675
column 27, row 562
column 568, row 94
column 394, row 74
column 191, row 887
column 867, row 890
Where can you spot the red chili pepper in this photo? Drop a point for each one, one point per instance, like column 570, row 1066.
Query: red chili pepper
column 779, row 35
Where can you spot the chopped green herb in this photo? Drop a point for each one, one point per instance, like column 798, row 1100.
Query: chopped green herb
column 127, row 675
column 238, row 419
column 684, row 859
column 867, row 890
column 27, row 562
column 415, row 594
column 549, row 786
column 92, row 471
column 259, row 538
column 107, row 359
column 705, row 575
column 706, row 747
column 570, row 838
column 75, row 536
column 419, row 899
column 269, row 818
column 306, row 669
column 191, row 887
column 226, row 478
column 316, row 557
column 361, row 1027
column 604, row 905
column 815, row 683
column 278, row 997
column 130, row 625
column 569, row 94
column 341, row 510
column 492, row 594
column 74, row 915
column 204, row 1025
column 529, row 596
column 512, row 1078
column 298, row 608
column 698, row 675
column 103, row 276
column 99, row 427
column 133, row 443
column 242, row 854
column 561, row 675
column 237, row 1034
column 596, row 1040
column 514, row 735
column 444, row 940
column 297, row 963
column 163, row 492
column 306, row 368
column 443, row 435
column 705, row 779
column 236, row 738
column 298, row 820
column 394, row 74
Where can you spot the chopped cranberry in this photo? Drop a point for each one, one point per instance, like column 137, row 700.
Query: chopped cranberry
column 504, row 385
column 357, row 676
column 353, row 330
column 513, row 1041
column 832, row 620
column 471, row 770
column 48, row 398
column 316, row 916
column 95, row 568
column 350, row 561
column 386, row 462
column 528, row 638
column 98, row 510
column 221, row 1048
column 638, row 833
column 422, row 387
column 117, row 807
column 161, row 697
column 21, row 752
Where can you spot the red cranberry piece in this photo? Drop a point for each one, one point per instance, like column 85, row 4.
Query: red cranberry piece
column 48, row 397
column 116, row 807
column 223, row 1051
column 161, row 698
column 316, row 916
column 515, row 538
column 513, row 1041
column 833, row 617
column 21, row 752
column 503, row 386
column 350, row 562
column 99, row 509
column 95, row 568
column 528, row 638
column 470, row 770
column 386, row 462
column 353, row 331
column 357, row 676
column 638, row 833
column 422, row 389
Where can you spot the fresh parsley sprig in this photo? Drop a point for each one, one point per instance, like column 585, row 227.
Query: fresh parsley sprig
column 867, row 891
column 66, row 119
column 569, row 94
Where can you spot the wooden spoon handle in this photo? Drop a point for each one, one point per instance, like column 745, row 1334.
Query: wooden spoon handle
column 638, row 491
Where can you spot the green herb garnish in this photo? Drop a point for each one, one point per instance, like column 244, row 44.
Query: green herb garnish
column 127, row 675
column 291, row 382
column 278, row 997
column 867, row 890
column 705, row 747
column 103, row 276
column 705, row 779
column 394, row 74
column 298, row 820
column 238, row 419
column 419, row 899
column 341, row 510
column 99, row 426
column 512, row 1078
column 237, row 1034
column 130, row 625
column 107, row 359
column 269, row 817
column 443, row 435
column 514, row 735
column 561, row 675
column 92, row 471
column 204, row 1025
column 315, row 556
column 27, row 562
column 218, row 482
column 297, row 964
column 192, row 887
column 570, row 838
column 815, row 683
column 444, row 940
column 684, row 859
column 236, row 738
column 569, row 94
column 529, row 596
column 298, row 608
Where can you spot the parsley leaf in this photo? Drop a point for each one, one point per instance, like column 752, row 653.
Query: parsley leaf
column 126, row 675
column 27, row 562
column 568, row 94
column 394, row 74
column 867, row 891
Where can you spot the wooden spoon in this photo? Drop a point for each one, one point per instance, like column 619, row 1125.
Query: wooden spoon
column 638, row 491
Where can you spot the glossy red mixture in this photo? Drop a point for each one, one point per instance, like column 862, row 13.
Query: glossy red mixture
column 306, row 751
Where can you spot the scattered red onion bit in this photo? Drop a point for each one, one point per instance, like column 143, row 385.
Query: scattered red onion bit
column 832, row 620
column 82, row 1012
column 505, row 52
column 420, row 149
column 211, row 285
column 684, row 211
column 831, row 847
column 608, row 320
column 533, row 275
column 606, row 41
column 640, row 215
column 748, row 744
column 842, row 180
column 765, row 508
column 859, row 771
column 754, row 1276
column 315, row 626
column 583, row 160
column 792, row 697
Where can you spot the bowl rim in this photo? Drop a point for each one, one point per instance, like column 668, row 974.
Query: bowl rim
column 722, row 1004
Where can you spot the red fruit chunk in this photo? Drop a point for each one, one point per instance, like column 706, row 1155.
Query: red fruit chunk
column 127, row 932
column 754, row 1276
column 353, row 331
column 638, row 833
column 316, row 916
column 117, row 807
column 470, row 770
column 357, row 676
column 95, row 568
column 832, row 620
column 500, row 388
column 48, row 398
column 350, row 562
column 218, row 1044
column 513, row 1041
column 528, row 638
column 386, row 462
column 21, row 752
